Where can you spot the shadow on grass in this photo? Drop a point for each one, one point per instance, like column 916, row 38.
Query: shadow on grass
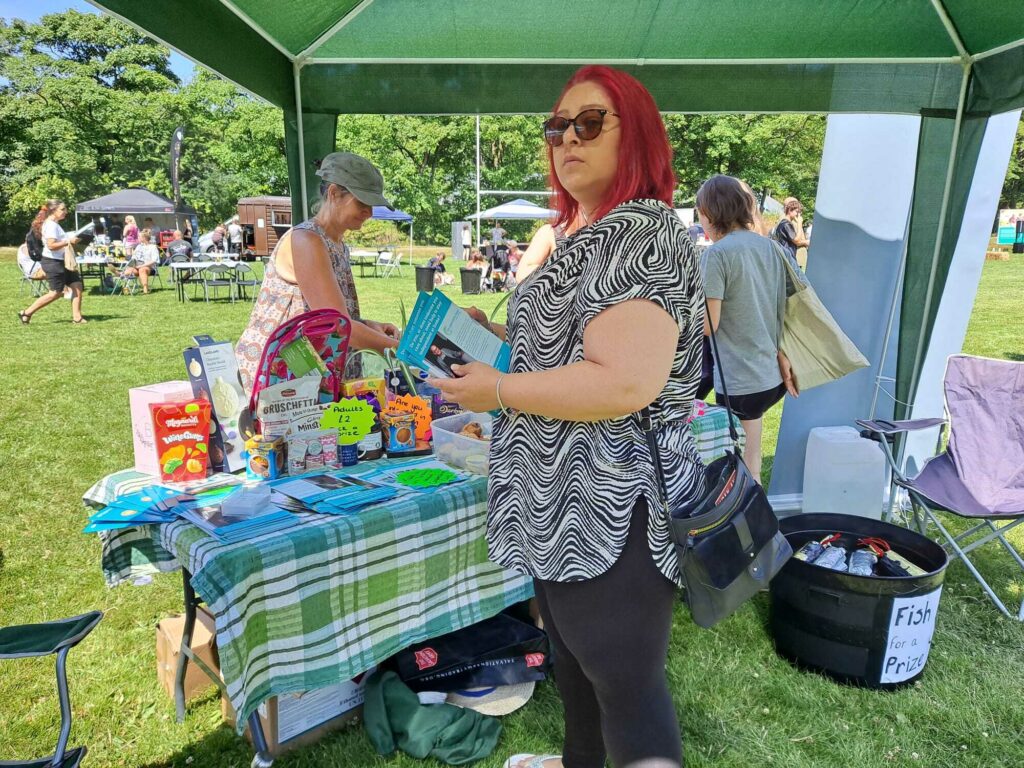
column 1016, row 356
column 220, row 747
column 97, row 318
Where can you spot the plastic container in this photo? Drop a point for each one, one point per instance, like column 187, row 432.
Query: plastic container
column 470, row 280
column 425, row 279
column 874, row 631
column 844, row 473
column 458, row 450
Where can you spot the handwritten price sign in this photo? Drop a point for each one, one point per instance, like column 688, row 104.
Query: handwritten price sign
column 420, row 408
column 352, row 417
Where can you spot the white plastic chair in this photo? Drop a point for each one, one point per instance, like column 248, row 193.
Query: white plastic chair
column 388, row 262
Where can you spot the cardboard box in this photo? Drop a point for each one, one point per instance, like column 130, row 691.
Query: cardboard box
column 168, row 647
column 139, row 398
column 299, row 719
column 213, row 374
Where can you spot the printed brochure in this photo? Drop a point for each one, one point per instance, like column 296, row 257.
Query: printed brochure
column 441, row 334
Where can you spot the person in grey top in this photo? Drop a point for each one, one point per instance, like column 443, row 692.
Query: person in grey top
column 745, row 284
column 498, row 234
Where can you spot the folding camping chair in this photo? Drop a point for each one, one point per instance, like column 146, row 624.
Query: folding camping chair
column 36, row 287
column 126, row 284
column 980, row 475
column 47, row 639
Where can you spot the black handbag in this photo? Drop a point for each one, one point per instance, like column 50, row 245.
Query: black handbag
column 728, row 541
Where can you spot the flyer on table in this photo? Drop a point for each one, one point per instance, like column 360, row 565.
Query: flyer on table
column 440, row 335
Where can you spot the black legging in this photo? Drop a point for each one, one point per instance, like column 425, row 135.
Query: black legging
column 610, row 638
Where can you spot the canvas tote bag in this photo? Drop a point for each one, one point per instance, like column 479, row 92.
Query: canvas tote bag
column 70, row 263
column 811, row 338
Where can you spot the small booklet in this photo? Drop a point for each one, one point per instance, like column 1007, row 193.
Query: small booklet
column 441, row 334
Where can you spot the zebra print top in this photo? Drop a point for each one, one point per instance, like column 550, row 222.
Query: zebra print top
column 560, row 492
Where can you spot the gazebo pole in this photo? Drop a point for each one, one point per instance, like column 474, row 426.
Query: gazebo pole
column 296, row 70
column 478, row 181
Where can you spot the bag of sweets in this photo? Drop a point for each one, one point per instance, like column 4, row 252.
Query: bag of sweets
column 181, row 434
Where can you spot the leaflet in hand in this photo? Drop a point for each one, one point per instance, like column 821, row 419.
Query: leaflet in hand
column 86, row 234
column 440, row 334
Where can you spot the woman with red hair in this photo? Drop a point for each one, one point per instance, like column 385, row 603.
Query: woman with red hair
column 609, row 325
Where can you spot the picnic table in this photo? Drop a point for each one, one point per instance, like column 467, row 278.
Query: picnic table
column 364, row 259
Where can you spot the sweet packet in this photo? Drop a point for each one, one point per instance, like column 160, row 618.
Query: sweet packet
column 181, row 434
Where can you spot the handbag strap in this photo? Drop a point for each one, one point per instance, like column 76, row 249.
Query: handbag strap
column 721, row 374
column 647, row 421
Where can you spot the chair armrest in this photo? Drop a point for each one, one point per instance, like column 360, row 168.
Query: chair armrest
column 886, row 427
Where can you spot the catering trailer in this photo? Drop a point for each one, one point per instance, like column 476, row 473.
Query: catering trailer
column 264, row 220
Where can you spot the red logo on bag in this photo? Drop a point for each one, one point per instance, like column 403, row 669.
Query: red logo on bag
column 426, row 658
column 535, row 659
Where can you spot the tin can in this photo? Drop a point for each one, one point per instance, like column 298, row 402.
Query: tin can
column 264, row 458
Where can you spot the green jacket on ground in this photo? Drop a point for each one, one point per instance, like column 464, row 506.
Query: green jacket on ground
column 394, row 718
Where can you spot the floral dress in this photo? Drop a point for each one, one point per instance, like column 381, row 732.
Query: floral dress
column 280, row 301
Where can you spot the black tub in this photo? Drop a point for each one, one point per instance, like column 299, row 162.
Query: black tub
column 866, row 630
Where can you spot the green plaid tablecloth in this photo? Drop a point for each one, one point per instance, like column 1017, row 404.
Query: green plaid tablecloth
column 327, row 599
column 710, row 428
column 131, row 552
column 134, row 552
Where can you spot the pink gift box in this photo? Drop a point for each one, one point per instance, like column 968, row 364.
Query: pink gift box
column 139, row 399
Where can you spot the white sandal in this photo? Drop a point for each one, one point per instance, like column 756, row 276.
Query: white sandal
column 533, row 761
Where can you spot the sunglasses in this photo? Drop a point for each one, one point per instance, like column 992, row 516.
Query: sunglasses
column 587, row 124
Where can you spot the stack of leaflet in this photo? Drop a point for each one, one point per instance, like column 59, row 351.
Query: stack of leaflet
column 332, row 493
column 238, row 514
column 153, row 504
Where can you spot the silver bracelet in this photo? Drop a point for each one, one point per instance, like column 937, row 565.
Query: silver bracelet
column 497, row 394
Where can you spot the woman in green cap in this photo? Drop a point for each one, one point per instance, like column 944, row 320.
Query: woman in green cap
column 310, row 269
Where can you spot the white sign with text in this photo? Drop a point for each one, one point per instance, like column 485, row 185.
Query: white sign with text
column 911, row 626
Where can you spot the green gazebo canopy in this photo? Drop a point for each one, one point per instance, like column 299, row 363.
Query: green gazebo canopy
column 953, row 62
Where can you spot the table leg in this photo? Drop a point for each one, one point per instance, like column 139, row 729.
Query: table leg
column 262, row 758
column 191, row 601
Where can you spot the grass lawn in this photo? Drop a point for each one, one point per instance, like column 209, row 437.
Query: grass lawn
column 65, row 423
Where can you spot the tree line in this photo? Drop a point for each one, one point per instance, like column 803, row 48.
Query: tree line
column 88, row 105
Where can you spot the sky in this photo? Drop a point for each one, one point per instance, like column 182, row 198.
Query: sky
column 31, row 10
